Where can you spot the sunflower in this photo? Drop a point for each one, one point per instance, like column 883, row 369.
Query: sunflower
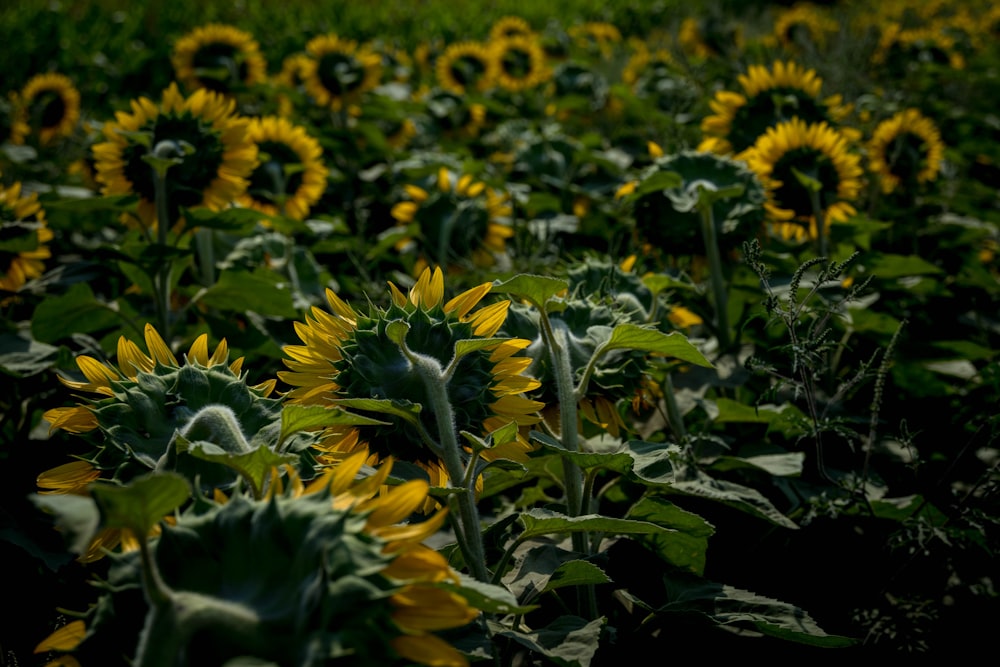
column 50, row 105
column 596, row 35
column 458, row 217
column 23, row 238
column 349, row 355
column 769, row 96
column 905, row 149
column 339, row 71
column 290, row 176
column 803, row 23
column 219, row 57
column 213, row 175
column 466, row 67
column 818, row 151
column 141, row 406
column 454, row 114
column 506, row 27
column 709, row 37
column 376, row 593
column 900, row 49
column 520, row 63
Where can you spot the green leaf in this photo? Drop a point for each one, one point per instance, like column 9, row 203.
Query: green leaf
column 699, row 484
column 231, row 219
column 295, row 418
column 900, row 266
column 536, row 289
column 254, row 466
column 403, row 409
column 658, row 182
column 786, row 419
column 77, row 518
column 142, row 503
column 735, row 608
column 467, row 345
column 646, row 339
column 788, row 464
column 237, row 291
column 75, row 312
column 568, row 641
column 645, row 462
column 22, row 357
column 538, row 521
column 576, row 573
column 396, row 331
column 686, row 545
column 490, row 598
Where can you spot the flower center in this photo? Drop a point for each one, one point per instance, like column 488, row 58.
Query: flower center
column 794, row 196
column 270, row 181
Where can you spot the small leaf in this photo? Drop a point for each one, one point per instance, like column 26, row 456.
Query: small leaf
column 539, row 522
column 490, row 598
column 636, row 337
column 536, row 289
column 295, row 418
column 142, row 503
column 254, row 466
column 568, row 641
column 403, row 409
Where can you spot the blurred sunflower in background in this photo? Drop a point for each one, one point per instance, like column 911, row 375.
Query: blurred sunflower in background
column 339, row 71
column 49, row 104
column 376, row 594
column 459, row 220
column 13, row 128
column 819, row 152
column 905, row 150
column 803, row 24
column 219, row 57
column 520, row 63
column 901, row 49
column 23, row 239
column 290, row 176
column 770, row 95
column 218, row 155
column 349, row 355
column 596, row 36
column 506, row 27
column 466, row 67
column 454, row 114
column 709, row 36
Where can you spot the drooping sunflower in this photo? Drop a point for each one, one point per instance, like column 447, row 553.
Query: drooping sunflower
column 340, row 71
column 769, row 96
column 520, row 63
column 23, row 238
column 142, row 405
column 213, row 175
column 50, row 105
column 905, row 149
column 348, row 355
column 803, row 23
column 506, row 27
column 219, row 57
column 459, row 219
column 818, row 151
column 290, row 176
column 359, row 583
column 466, row 67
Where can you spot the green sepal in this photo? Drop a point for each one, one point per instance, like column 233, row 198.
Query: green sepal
column 141, row 504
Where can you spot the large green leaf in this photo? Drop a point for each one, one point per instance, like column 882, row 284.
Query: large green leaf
column 698, row 483
column 76, row 311
column 649, row 463
column 142, row 503
column 22, row 357
column 646, row 339
column 687, row 543
column 568, row 641
column 238, row 291
column 490, row 598
column 254, row 466
column 76, row 517
column 786, row 418
column 295, row 418
column 538, row 522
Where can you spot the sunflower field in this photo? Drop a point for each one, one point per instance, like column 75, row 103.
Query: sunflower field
column 498, row 333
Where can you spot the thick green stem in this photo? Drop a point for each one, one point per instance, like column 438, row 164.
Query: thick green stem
column 206, row 256
column 673, row 412
column 431, row 373
column 161, row 280
column 718, row 280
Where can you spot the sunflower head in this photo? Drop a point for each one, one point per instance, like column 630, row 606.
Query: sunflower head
column 290, row 176
column 453, row 113
column 205, row 138
column 769, row 96
column 23, row 239
column 221, row 58
column 905, row 150
column 155, row 412
column 334, row 575
column 466, row 67
column 349, row 355
column 790, row 151
column 900, row 50
column 520, row 63
column 458, row 220
column 595, row 37
column 709, row 36
column 50, row 106
column 804, row 25
column 506, row 27
column 339, row 71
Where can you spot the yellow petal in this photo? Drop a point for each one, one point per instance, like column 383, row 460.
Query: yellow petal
column 467, row 300
column 199, row 350
column 158, row 349
column 428, row 650
column 66, row 638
